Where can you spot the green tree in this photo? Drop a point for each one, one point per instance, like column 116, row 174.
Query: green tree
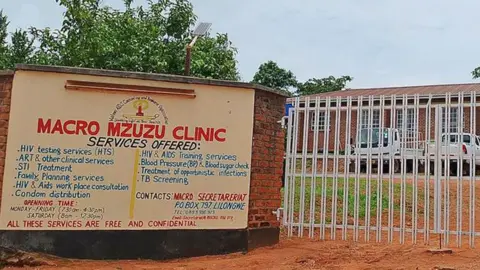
column 151, row 39
column 4, row 51
column 316, row 86
column 271, row 75
column 20, row 48
column 476, row 73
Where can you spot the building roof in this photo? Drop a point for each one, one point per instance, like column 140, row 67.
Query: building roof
column 404, row 90
column 147, row 76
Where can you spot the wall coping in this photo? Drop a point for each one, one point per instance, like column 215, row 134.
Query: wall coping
column 6, row 73
column 146, row 76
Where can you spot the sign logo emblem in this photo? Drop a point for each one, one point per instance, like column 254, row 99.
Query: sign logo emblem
column 139, row 109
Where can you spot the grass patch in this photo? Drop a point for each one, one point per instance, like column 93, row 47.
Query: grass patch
column 319, row 187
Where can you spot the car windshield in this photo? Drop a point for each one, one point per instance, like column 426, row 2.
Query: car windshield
column 364, row 135
column 453, row 138
column 375, row 137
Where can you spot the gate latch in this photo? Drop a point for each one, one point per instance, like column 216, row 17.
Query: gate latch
column 278, row 213
column 283, row 122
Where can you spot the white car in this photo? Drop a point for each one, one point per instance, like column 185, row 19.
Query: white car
column 457, row 146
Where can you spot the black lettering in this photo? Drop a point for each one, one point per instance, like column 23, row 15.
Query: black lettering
column 92, row 141
column 108, row 142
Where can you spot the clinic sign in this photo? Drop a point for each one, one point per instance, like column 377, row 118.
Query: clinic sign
column 106, row 161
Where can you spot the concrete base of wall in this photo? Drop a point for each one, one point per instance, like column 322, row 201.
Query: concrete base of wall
column 262, row 237
column 154, row 245
column 113, row 245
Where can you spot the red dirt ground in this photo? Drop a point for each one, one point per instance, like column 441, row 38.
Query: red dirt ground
column 303, row 254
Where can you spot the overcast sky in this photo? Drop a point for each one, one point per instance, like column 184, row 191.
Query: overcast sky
column 378, row 42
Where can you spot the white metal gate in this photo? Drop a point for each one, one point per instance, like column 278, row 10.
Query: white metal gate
column 383, row 168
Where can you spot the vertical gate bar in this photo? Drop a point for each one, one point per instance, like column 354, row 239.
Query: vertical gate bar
column 415, row 171
column 472, row 169
column 428, row 130
column 325, row 170
column 403, row 168
column 337, row 137
column 381, row 137
column 369, row 167
column 460, row 119
column 313, row 186
column 446, row 221
column 437, row 186
column 357, row 170
column 288, row 173
column 474, row 178
column 391, row 173
column 347, row 167
column 293, row 181
column 306, row 118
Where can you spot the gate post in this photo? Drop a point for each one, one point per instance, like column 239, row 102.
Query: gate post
column 267, row 168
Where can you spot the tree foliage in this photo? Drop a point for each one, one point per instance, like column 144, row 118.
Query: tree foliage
column 271, row 75
column 316, row 86
column 145, row 39
column 476, row 73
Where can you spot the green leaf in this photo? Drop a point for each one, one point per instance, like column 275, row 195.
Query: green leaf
column 152, row 38
column 271, row 75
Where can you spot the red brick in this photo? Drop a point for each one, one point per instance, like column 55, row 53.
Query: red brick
column 5, row 96
column 267, row 159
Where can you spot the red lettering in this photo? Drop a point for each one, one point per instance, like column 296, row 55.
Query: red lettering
column 113, row 129
column 148, row 131
column 66, row 124
column 137, row 131
column 33, row 223
column 204, row 134
column 217, row 135
column 38, row 202
column 160, row 129
column 188, row 138
column 66, row 203
column 199, row 134
column 134, row 223
column 183, row 196
column 64, row 224
column 81, row 126
column 128, row 130
column 175, row 131
column 172, row 223
column 70, row 127
column 92, row 223
column 113, row 223
column 13, row 224
column 44, row 127
column 57, row 127
column 126, row 127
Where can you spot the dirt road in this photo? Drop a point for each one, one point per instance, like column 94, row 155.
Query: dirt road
column 304, row 254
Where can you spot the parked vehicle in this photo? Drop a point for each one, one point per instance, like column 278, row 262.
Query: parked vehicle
column 458, row 146
column 372, row 143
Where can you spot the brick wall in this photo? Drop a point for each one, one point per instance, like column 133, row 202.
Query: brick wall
column 5, row 96
column 267, row 160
